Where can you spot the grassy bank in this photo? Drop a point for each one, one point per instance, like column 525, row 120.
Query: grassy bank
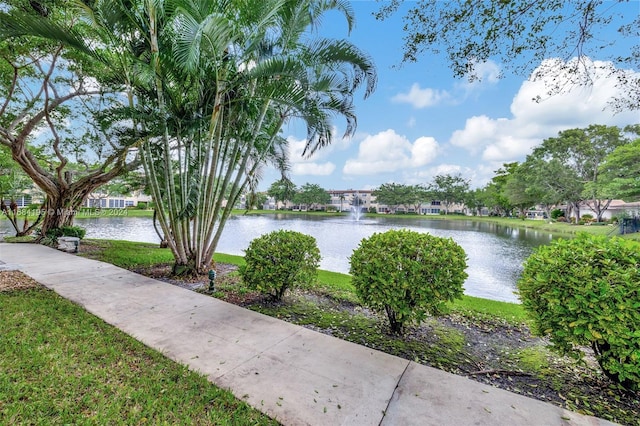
column 128, row 254
column 62, row 365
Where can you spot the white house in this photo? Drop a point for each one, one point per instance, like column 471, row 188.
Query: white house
column 616, row 208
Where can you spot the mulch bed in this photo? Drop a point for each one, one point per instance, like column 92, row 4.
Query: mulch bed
column 16, row 280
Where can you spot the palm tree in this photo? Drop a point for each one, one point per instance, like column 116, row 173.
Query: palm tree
column 249, row 75
column 210, row 86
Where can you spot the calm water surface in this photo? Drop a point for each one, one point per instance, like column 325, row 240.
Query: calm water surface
column 495, row 252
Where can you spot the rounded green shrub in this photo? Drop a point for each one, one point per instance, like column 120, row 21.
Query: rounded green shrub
column 586, row 292
column 407, row 274
column 67, row 231
column 280, row 260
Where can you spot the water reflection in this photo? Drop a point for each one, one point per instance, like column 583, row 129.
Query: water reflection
column 495, row 252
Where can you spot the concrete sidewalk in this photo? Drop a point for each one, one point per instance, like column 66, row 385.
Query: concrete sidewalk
column 293, row 374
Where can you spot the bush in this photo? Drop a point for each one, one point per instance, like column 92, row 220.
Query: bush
column 585, row 292
column 407, row 274
column 556, row 214
column 67, row 231
column 586, row 219
column 561, row 219
column 280, row 260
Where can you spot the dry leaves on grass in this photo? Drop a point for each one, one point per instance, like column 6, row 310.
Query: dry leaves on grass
column 16, row 280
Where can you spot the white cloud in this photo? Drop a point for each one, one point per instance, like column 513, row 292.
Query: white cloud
column 421, row 98
column 484, row 74
column 389, row 152
column 423, row 151
column 309, row 166
column 445, row 169
column 296, row 147
column 511, row 139
column 314, row 169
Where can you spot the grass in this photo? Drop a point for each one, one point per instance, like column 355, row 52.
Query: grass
column 444, row 348
column 457, row 343
column 61, row 365
column 512, row 313
column 129, row 254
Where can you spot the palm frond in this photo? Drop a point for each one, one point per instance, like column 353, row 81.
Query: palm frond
column 19, row 24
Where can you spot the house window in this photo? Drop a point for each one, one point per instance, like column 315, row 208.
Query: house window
column 23, row 201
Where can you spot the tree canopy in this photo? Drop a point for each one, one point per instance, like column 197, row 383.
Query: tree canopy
column 208, row 88
column 312, row 195
column 524, row 34
column 282, row 190
column 54, row 117
column 449, row 189
column 620, row 171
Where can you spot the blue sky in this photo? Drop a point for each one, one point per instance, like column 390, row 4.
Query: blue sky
column 421, row 121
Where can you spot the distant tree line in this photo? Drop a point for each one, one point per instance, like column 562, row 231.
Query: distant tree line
column 590, row 166
column 311, row 196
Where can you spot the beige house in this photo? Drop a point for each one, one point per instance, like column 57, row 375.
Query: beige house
column 347, row 199
column 616, row 208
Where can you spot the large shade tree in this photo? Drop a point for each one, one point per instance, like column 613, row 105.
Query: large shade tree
column 312, row 196
column 209, row 86
column 620, row 170
column 493, row 195
column 282, row 190
column 580, row 152
column 449, row 189
column 52, row 103
column 393, row 195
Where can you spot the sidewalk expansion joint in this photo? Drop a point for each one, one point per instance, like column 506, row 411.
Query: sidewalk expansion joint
column 384, row 412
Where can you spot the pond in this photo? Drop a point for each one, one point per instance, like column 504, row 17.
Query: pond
column 495, row 252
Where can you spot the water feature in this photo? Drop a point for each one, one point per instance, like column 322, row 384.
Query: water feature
column 356, row 209
column 495, row 253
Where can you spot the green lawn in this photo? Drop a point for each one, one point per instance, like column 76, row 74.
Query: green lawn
column 62, row 365
column 128, row 254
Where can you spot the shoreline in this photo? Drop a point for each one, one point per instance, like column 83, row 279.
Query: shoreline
column 557, row 229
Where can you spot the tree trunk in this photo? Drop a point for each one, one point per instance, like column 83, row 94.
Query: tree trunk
column 60, row 210
column 11, row 213
column 396, row 326
column 190, row 268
